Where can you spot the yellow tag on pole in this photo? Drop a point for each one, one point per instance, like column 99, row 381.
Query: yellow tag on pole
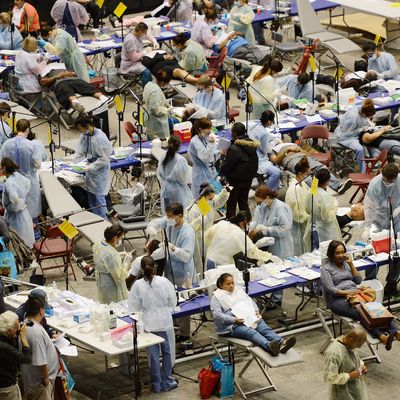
column 394, row 5
column 226, row 82
column 100, row 3
column 121, row 8
column 314, row 186
column 312, row 63
column 203, row 205
column 49, row 138
column 141, row 115
column 118, row 103
column 68, row 229
column 377, row 39
column 250, row 98
column 339, row 73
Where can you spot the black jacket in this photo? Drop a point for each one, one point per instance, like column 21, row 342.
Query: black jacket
column 241, row 161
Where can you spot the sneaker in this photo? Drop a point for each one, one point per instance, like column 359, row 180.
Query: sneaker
column 78, row 106
column 287, row 344
column 274, row 347
column 345, row 186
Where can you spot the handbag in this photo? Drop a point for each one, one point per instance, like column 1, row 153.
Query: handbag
column 208, row 382
column 368, row 295
column 375, row 315
column 64, row 382
column 7, row 262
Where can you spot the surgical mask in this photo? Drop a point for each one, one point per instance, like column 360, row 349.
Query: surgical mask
column 119, row 243
column 237, row 3
column 372, row 57
column 388, row 185
column 171, row 221
column 262, row 205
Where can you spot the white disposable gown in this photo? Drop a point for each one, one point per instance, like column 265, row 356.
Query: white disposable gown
column 27, row 69
column 20, row 150
column 96, row 149
column 240, row 20
column 156, row 117
column 174, row 179
column 202, row 154
column 351, row 124
column 184, row 11
column 155, row 300
column 14, row 197
column 277, row 223
column 192, row 58
column 110, row 273
column 65, row 47
column 183, row 238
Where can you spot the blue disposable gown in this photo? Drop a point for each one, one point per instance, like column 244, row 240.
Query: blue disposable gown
column 258, row 133
column 294, row 89
column 5, row 132
column 351, row 124
column 385, row 65
column 241, row 19
column 278, row 219
column 65, row 47
column 202, row 155
column 20, row 150
column 97, row 150
column 376, row 204
column 39, row 150
column 110, row 274
column 14, row 199
column 156, row 117
column 155, row 300
column 5, row 38
column 214, row 102
column 174, row 178
column 183, row 238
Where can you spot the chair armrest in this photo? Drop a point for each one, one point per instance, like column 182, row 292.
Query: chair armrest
column 136, row 218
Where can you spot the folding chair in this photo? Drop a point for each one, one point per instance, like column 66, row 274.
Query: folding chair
column 289, row 51
column 362, row 180
column 256, row 354
column 319, row 132
column 323, row 314
column 343, row 158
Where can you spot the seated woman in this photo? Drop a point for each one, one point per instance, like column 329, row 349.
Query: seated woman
column 191, row 54
column 227, row 324
column 339, row 278
column 28, row 66
column 168, row 63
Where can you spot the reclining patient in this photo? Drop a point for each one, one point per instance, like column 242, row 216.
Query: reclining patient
column 66, row 85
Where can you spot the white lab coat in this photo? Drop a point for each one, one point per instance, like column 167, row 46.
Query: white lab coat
column 224, row 240
column 156, row 117
column 240, row 20
column 110, row 273
column 27, row 69
column 155, row 300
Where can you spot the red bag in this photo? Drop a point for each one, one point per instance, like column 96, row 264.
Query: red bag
column 208, row 382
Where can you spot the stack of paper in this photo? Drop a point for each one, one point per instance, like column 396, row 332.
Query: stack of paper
column 271, row 282
column 305, row 273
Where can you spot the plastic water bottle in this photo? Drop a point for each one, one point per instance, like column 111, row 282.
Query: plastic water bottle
column 112, row 320
column 54, row 287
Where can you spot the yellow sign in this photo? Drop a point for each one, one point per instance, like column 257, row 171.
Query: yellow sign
column 203, row 205
column 394, row 5
column 121, row 8
column 118, row 104
column 68, row 229
column 250, row 98
column 141, row 115
column 314, row 186
column 226, row 82
column 312, row 63
column 100, row 3
column 338, row 73
column 377, row 39
column 49, row 138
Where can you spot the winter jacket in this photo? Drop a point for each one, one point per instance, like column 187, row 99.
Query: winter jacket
column 241, row 161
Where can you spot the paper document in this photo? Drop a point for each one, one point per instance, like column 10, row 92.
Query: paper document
column 305, row 273
column 50, row 67
column 245, row 310
column 286, row 125
column 223, row 144
column 379, row 257
column 152, row 54
column 71, row 351
column 360, row 263
column 271, row 282
column 314, row 118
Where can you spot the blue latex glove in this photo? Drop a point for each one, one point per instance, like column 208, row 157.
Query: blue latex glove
column 41, row 42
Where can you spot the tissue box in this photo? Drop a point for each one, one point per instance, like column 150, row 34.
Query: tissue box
column 80, row 318
column 69, row 303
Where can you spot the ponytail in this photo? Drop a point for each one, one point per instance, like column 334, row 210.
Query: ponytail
column 174, row 142
column 148, row 267
column 266, row 69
